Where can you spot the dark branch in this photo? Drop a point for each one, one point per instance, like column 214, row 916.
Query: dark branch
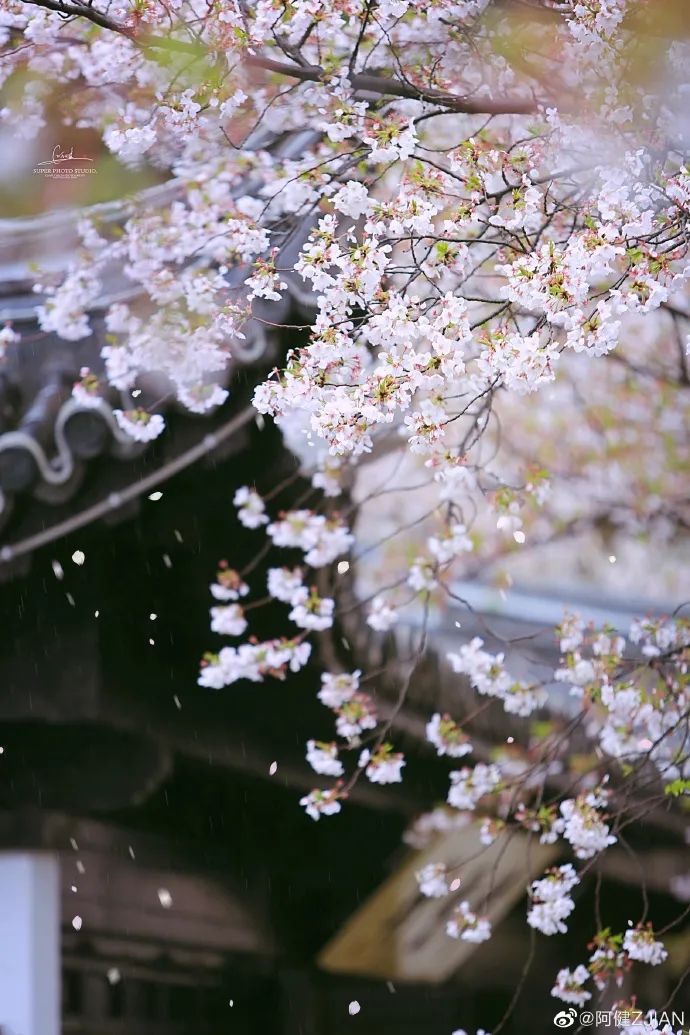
column 386, row 87
column 76, row 10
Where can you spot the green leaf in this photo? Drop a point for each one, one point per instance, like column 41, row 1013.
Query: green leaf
column 677, row 788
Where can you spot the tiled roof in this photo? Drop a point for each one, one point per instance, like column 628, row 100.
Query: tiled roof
column 48, row 439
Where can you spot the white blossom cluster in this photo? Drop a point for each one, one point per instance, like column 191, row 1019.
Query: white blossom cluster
column 640, row 944
column 447, row 737
column 323, row 758
column 584, row 827
column 383, row 765
column 321, row 803
column 466, row 925
column 568, row 987
column 550, row 899
column 630, row 723
column 433, row 880
column 469, row 786
column 489, row 676
column 253, row 662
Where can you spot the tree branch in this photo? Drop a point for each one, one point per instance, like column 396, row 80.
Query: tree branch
column 387, row 87
column 77, row 10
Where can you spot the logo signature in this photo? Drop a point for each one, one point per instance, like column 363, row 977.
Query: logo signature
column 65, row 165
column 565, row 1018
column 626, row 1018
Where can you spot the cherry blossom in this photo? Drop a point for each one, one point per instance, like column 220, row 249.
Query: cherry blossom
column 466, row 925
column 468, row 786
column 490, row 830
column 640, row 944
column 489, row 677
column 381, row 616
column 284, row 583
column 447, row 737
column 338, row 688
column 383, row 765
column 8, row 336
column 432, row 880
column 551, row 903
column 355, row 715
column 323, row 758
column 568, row 987
column 251, row 509
column 228, row 620
column 87, row 390
column 202, row 398
column 584, row 827
column 321, row 803
column 139, row 424
column 608, row 961
column 229, row 584
column 310, row 611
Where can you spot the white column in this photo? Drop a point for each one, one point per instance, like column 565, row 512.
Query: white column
column 30, row 976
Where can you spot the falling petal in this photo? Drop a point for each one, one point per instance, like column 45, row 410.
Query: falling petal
column 165, row 898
